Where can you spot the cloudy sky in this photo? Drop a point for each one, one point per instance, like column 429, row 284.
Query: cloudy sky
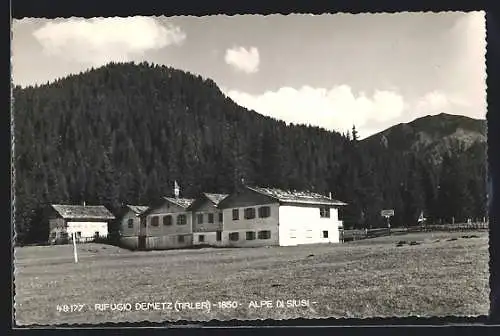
column 371, row 70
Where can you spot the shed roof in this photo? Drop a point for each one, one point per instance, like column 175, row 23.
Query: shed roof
column 300, row 197
column 182, row 202
column 137, row 209
column 215, row 198
column 83, row 211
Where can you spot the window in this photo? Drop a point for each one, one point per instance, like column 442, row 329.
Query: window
column 264, row 212
column 180, row 239
column 201, row 238
column 249, row 213
column 234, row 236
column 181, row 220
column 211, row 218
column 220, row 217
column 79, row 234
column 264, row 234
column 250, row 235
column 96, row 234
column 324, row 212
column 130, row 223
column 53, row 235
column 325, row 234
column 293, row 234
column 236, row 214
column 199, row 218
column 167, row 220
column 219, row 236
column 154, row 221
column 308, row 233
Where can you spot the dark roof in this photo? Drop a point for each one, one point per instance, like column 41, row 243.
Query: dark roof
column 215, row 198
column 83, row 211
column 137, row 209
column 301, row 197
column 182, row 202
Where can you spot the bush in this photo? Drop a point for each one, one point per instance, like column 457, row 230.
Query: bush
column 110, row 240
column 61, row 241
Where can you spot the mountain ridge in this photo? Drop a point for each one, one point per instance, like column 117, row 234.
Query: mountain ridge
column 124, row 132
column 434, row 134
column 458, row 120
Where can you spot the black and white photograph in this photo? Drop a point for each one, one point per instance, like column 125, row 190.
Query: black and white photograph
column 249, row 167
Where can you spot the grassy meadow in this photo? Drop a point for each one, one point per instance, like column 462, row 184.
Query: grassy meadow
column 446, row 274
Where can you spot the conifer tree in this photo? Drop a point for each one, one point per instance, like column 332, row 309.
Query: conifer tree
column 124, row 133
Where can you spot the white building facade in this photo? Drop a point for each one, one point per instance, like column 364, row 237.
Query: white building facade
column 273, row 217
column 130, row 223
column 251, row 217
column 207, row 219
column 166, row 225
column 86, row 222
column 308, row 224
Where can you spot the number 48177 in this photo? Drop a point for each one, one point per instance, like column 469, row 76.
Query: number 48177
column 69, row 308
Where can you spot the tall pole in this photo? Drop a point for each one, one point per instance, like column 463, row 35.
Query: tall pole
column 388, row 223
column 73, row 235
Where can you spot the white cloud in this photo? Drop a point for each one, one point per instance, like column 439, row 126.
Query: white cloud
column 101, row 40
column 242, row 59
column 334, row 109
column 436, row 102
column 339, row 108
column 467, row 68
column 433, row 102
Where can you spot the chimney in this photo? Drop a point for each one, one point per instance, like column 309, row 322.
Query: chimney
column 330, row 195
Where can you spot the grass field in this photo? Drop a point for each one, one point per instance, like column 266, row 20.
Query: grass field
column 367, row 278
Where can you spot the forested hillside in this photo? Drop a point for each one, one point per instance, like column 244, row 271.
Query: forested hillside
column 432, row 136
column 125, row 132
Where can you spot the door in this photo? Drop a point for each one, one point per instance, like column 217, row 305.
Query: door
column 142, row 226
column 142, row 242
column 142, row 233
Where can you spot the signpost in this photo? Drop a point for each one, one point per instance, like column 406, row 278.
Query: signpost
column 73, row 236
column 387, row 214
